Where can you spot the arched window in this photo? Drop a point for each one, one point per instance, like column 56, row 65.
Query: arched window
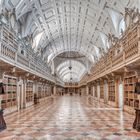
column 121, row 26
column 36, row 40
column 22, row 52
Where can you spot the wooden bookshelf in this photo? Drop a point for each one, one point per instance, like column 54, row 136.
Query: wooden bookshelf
column 130, row 98
column 9, row 97
column 102, row 90
column 29, row 91
column 111, row 90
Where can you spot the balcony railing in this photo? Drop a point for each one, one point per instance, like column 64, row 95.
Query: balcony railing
column 10, row 52
column 130, row 50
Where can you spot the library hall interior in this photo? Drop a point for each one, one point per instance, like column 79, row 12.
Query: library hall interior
column 69, row 69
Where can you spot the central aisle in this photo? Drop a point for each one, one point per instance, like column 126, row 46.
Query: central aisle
column 70, row 118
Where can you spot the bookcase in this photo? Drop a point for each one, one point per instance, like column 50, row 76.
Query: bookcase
column 102, row 90
column 29, row 91
column 9, row 97
column 111, row 90
column 130, row 98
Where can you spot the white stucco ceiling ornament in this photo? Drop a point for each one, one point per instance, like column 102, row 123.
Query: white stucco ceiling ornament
column 59, row 26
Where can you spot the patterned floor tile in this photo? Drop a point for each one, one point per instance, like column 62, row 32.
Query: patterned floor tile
column 70, row 118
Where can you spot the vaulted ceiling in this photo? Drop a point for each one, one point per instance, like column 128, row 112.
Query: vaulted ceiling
column 58, row 27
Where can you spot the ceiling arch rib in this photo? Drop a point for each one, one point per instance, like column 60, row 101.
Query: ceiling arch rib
column 67, row 63
column 71, row 73
column 23, row 7
column 85, row 28
column 59, row 12
column 70, row 25
column 56, row 53
column 62, row 70
column 67, row 77
column 71, row 77
column 66, row 67
column 76, row 68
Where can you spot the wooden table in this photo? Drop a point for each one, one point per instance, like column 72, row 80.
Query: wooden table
column 136, row 124
column 2, row 121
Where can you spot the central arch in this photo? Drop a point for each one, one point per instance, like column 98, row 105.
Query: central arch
column 88, row 55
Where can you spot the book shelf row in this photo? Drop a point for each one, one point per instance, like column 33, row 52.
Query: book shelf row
column 129, row 81
column 9, row 89
column 29, row 91
column 43, row 91
column 130, row 97
column 111, row 90
column 9, row 95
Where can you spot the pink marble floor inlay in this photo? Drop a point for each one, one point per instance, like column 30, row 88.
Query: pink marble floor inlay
column 70, row 118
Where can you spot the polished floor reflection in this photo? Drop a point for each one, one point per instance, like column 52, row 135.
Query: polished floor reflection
column 70, row 118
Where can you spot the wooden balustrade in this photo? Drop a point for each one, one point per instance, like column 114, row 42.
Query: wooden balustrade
column 32, row 66
column 117, row 59
column 8, row 51
column 126, row 49
column 22, row 60
column 38, row 69
column 131, row 50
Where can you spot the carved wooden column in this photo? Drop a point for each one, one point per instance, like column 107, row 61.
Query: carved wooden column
column 87, row 90
column 2, row 121
column 54, row 90
column 24, row 92
column 106, row 89
column 139, row 39
column 93, row 89
column 98, row 90
column 118, row 93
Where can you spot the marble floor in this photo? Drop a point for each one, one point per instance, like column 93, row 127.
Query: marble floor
column 70, row 118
